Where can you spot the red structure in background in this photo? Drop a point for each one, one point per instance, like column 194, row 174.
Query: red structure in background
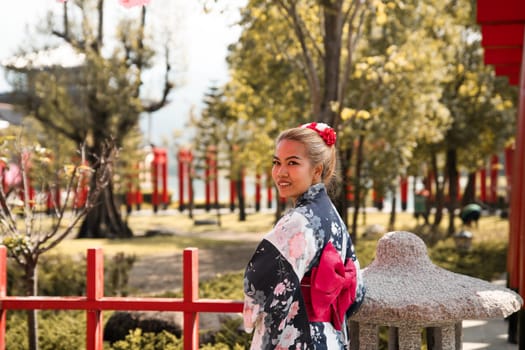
column 94, row 302
column 159, row 175
column 185, row 158
column 428, row 183
column 494, row 170
column 483, row 184
column 502, row 29
column 509, row 155
column 134, row 193
column 257, row 192
column 53, row 199
column 211, row 178
column 403, row 188
column 233, row 194
column 488, row 194
column 234, row 184
column 269, row 189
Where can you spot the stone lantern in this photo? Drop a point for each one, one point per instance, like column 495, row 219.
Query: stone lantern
column 407, row 293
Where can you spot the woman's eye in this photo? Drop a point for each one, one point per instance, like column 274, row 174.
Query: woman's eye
column 275, row 162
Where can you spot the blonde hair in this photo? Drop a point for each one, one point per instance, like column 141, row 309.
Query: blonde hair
column 317, row 150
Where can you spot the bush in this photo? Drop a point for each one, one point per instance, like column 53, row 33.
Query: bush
column 136, row 340
column 63, row 275
column 57, row 330
column 486, row 260
column 60, row 275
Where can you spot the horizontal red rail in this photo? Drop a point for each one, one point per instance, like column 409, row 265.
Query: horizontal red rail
column 131, row 304
column 94, row 302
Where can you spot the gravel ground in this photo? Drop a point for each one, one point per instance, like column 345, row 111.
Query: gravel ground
column 155, row 274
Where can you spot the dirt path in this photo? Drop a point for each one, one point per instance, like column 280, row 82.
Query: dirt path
column 156, row 274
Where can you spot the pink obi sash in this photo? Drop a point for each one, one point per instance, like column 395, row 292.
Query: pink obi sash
column 330, row 289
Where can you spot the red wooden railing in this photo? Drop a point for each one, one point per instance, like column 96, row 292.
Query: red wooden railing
column 94, row 303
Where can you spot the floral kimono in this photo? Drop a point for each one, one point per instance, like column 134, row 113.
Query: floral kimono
column 303, row 280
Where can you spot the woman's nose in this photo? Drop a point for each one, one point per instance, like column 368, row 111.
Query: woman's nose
column 282, row 171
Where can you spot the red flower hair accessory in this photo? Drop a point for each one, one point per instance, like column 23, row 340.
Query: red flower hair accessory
column 326, row 132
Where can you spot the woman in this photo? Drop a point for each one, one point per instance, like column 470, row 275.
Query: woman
column 303, row 280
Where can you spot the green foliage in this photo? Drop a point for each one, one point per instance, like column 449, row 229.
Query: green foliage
column 62, row 330
column 16, row 331
column 64, row 275
column 486, row 260
column 136, row 340
column 117, row 274
column 230, row 336
column 58, row 274
column 233, row 335
column 61, row 275
column 365, row 251
column 58, row 330
column 227, row 286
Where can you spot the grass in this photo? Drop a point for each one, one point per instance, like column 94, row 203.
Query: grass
column 187, row 234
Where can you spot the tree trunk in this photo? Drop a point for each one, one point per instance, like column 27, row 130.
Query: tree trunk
column 31, row 279
column 357, row 188
column 392, row 219
column 280, row 208
column 341, row 201
column 332, row 40
column 452, row 174
column 105, row 219
column 439, row 197
column 240, row 196
column 191, row 200
column 469, row 195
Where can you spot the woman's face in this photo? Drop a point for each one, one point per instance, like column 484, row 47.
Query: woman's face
column 292, row 171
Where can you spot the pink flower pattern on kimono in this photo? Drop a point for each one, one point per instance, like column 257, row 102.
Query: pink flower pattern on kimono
column 294, row 310
column 279, row 289
column 297, row 245
column 288, row 337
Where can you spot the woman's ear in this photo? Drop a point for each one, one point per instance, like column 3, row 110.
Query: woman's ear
column 318, row 173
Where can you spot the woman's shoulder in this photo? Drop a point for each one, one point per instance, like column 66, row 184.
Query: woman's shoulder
column 293, row 218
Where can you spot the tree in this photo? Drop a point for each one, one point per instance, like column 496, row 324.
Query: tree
column 398, row 73
column 394, row 102
column 292, row 66
column 98, row 99
column 230, row 125
column 42, row 182
column 481, row 108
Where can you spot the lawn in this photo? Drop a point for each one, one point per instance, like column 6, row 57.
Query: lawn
column 184, row 233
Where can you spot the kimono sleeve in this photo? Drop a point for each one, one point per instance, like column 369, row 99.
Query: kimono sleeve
column 273, row 302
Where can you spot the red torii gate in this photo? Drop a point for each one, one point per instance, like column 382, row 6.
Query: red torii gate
column 502, row 29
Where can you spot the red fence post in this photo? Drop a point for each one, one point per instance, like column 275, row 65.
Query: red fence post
column 94, row 291
column 3, row 293
column 190, row 289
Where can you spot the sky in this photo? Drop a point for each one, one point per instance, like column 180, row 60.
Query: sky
column 201, row 41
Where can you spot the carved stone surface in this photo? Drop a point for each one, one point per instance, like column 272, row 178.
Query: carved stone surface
column 404, row 288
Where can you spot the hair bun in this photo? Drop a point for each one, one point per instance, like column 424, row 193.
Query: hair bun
column 324, row 130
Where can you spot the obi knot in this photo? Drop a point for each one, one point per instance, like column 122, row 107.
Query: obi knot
column 330, row 289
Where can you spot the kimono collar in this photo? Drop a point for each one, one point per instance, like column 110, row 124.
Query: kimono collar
column 313, row 192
